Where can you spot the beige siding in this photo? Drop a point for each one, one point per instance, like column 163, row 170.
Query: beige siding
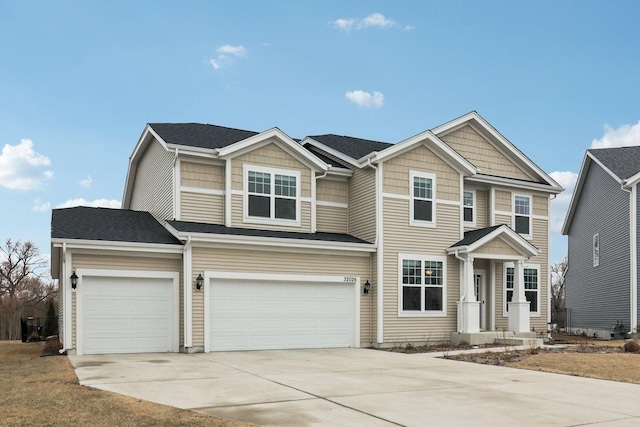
column 477, row 150
column 504, row 219
column 497, row 247
column 201, row 175
column 208, row 259
column 503, row 201
column 540, row 205
column 329, row 190
column 482, row 209
column 153, row 183
column 238, row 221
column 331, row 219
column 362, row 204
column 103, row 261
column 397, row 173
column 270, row 155
column 198, row 207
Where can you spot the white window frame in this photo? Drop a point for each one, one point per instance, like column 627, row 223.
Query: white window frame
column 472, row 207
column 418, row 222
column 513, row 210
column 272, row 220
column 596, row 249
column 422, row 312
column 505, row 313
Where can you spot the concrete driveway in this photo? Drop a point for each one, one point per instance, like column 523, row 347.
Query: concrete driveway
column 360, row 387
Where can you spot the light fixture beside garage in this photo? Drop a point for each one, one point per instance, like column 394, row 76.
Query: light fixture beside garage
column 199, row 281
column 367, row 286
column 74, row 280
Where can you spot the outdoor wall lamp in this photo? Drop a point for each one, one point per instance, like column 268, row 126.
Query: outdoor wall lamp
column 199, row 281
column 74, row 280
column 367, row 286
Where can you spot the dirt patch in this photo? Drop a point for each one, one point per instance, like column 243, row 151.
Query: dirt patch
column 411, row 349
column 38, row 390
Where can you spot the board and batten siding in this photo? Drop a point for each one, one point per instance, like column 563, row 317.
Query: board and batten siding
column 477, row 150
column 153, row 183
column 598, row 297
column 278, row 262
column 137, row 262
column 362, row 204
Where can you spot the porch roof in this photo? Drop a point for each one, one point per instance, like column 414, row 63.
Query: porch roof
column 476, row 239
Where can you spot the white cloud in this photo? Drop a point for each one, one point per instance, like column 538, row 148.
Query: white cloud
column 40, row 206
column 624, row 136
column 560, row 204
column 86, row 182
column 223, row 59
column 366, row 99
column 21, row 167
column 98, row 203
column 375, row 20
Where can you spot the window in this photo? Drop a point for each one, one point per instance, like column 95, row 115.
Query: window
column 423, row 191
column 422, row 285
column 531, row 287
column 522, row 214
column 271, row 194
column 468, row 210
column 596, row 250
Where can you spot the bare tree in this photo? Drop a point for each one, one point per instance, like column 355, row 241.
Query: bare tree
column 22, row 288
column 558, row 272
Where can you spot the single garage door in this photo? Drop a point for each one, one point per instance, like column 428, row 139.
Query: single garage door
column 250, row 315
column 127, row 315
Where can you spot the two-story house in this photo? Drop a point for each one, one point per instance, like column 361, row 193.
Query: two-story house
column 232, row 240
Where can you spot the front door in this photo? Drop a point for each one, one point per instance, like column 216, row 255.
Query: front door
column 481, row 292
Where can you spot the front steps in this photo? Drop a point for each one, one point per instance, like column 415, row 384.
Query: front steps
column 528, row 339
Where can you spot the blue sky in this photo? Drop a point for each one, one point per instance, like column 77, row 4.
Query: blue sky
column 79, row 80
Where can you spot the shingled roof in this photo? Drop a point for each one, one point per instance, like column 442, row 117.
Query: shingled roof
column 113, row 225
column 200, row 135
column 355, row 148
column 622, row 161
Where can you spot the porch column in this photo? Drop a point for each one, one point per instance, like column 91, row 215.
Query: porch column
column 468, row 307
column 519, row 306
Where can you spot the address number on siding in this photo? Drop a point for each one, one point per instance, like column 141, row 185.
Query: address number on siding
column 350, row 279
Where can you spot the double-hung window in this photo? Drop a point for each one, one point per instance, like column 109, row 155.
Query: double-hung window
column 422, row 287
column 423, row 195
column 272, row 195
column 522, row 214
column 531, row 287
column 469, row 207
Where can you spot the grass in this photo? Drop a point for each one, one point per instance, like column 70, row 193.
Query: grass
column 45, row 391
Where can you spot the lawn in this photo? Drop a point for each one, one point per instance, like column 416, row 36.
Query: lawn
column 44, row 391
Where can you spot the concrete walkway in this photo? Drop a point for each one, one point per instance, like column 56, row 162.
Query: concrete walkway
column 360, row 387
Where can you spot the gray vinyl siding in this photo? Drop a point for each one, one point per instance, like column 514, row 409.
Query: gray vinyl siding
column 597, row 297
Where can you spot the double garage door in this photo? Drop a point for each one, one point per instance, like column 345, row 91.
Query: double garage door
column 128, row 315
column 260, row 315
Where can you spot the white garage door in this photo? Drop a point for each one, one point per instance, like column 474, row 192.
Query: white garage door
column 127, row 315
column 250, row 315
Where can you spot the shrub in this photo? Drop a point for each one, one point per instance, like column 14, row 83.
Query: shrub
column 33, row 337
column 50, row 321
column 631, row 347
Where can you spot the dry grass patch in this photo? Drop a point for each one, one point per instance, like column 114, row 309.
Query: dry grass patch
column 43, row 391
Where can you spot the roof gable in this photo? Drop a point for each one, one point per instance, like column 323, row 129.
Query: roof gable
column 199, row 135
column 623, row 162
column 475, row 240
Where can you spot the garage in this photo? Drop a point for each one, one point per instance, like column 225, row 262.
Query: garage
column 127, row 314
column 254, row 314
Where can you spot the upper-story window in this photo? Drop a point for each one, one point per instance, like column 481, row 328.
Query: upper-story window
column 423, row 194
column 469, row 206
column 272, row 195
column 522, row 214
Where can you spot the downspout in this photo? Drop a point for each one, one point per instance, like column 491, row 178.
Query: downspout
column 314, row 207
column 176, row 187
column 187, row 295
column 463, row 296
column 379, row 242
column 633, row 249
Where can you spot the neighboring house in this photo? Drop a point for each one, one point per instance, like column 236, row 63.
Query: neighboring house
column 601, row 283
column 236, row 240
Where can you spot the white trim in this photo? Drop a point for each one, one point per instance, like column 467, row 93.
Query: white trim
column 187, row 291
column 88, row 272
column 513, row 183
column 540, row 217
column 65, row 283
column 633, row 218
column 549, row 264
column 246, row 168
column 118, row 246
column 314, row 196
column 461, row 189
column 210, row 275
column 422, row 257
column 380, row 254
column 413, row 174
column 177, row 199
column 331, row 151
column 332, row 204
column 516, row 241
column 529, row 266
column 492, row 291
column 484, row 293
column 228, row 201
column 197, row 190
column 409, row 197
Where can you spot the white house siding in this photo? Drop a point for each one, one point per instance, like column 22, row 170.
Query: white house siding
column 153, row 183
column 201, row 207
column 362, row 204
column 131, row 261
column 482, row 154
column 598, row 297
column 278, row 262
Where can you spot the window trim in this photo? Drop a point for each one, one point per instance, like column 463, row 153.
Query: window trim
column 422, row 257
column 418, row 222
column 272, row 220
column 513, row 214
column 473, row 207
column 537, row 267
column 596, row 249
